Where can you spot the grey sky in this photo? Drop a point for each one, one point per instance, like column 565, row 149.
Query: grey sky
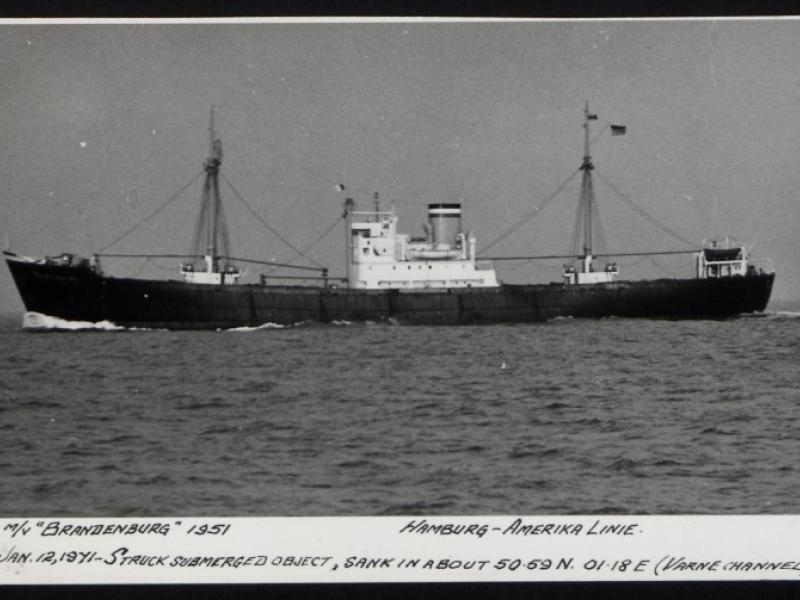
column 102, row 123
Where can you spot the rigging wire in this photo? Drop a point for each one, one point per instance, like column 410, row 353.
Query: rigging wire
column 644, row 214
column 635, row 262
column 140, row 255
column 199, row 247
column 599, row 232
column 532, row 213
column 322, row 236
column 599, row 133
column 575, row 241
column 271, row 263
column 267, row 225
column 224, row 246
column 596, row 235
column 608, row 254
column 159, row 266
column 104, row 191
column 142, row 266
column 315, row 172
column 664, row 269
column 754, row 239
column 249, row 132
column 152, row 214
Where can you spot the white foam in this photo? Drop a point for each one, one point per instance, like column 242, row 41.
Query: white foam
column 257, row 328
column 38, row 321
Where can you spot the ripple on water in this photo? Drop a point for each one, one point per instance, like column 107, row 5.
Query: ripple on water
column 404, row 420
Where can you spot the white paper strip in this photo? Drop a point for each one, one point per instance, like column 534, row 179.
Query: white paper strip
column 399, row 549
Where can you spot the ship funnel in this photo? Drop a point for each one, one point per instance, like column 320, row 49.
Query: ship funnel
column 445, row 222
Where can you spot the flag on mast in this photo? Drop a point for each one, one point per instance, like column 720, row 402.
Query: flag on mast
column 618, row 130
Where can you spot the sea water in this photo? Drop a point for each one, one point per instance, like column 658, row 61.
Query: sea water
column 568, row 416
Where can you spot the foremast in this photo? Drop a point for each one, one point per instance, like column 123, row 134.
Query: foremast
column 211, row 241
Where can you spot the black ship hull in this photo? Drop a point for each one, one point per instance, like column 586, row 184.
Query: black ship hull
column 82, row 294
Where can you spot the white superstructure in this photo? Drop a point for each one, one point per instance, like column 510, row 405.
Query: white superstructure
column 380, row 258
column 728, row 259
column 211, row 274
column 587, row 274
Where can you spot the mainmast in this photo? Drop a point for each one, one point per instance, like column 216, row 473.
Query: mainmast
column 587, row 191
column 585, row 225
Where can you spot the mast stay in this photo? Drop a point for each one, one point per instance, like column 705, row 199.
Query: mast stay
column 588, row 238
column 210, row 258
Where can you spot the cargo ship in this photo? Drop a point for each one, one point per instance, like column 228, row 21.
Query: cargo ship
column 435, row 279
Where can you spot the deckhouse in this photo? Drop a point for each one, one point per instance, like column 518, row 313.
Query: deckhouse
column 378, row 257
